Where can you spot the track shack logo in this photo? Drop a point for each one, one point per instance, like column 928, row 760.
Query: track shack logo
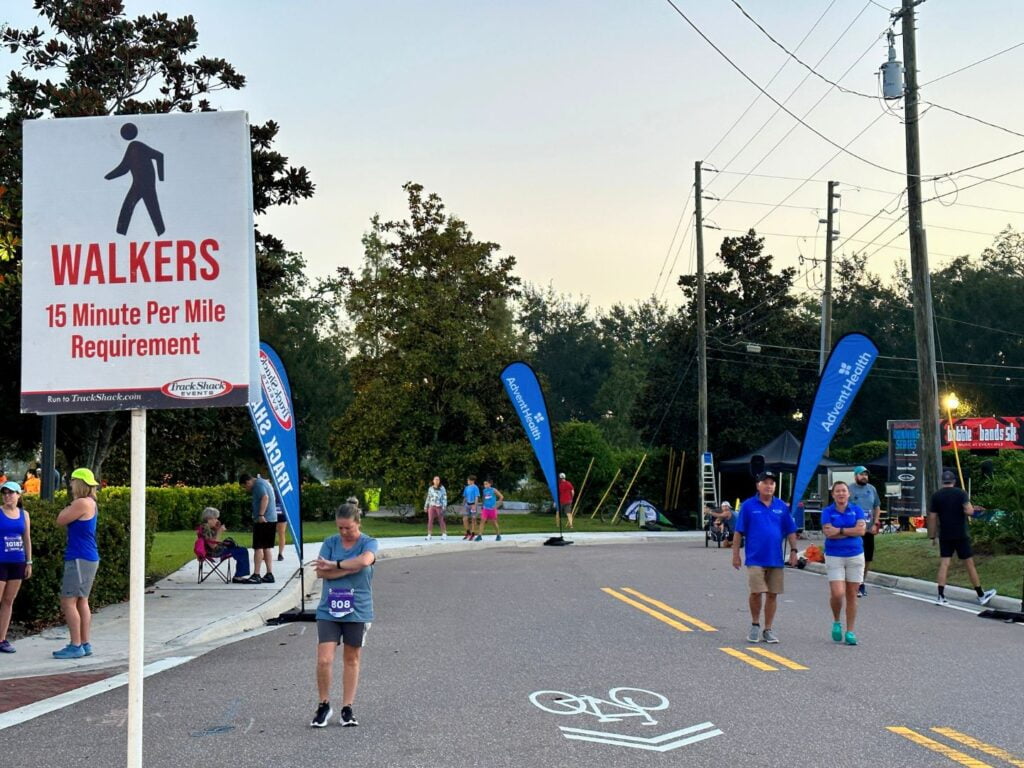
column 274, row 391
column 196, row 388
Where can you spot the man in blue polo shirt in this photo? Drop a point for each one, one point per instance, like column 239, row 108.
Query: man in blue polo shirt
column 764, row 522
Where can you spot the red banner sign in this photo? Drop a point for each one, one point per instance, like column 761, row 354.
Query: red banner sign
column 990, row 433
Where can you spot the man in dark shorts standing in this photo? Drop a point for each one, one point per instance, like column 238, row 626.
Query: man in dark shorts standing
column 864, row 495
column 345, row 612
column 264, row 526
column 949, row 509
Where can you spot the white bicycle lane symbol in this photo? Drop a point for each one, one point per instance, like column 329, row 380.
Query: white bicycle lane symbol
column 620, row 704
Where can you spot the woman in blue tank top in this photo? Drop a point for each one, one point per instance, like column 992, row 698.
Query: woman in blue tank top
column 81, row 561
column 15, row 555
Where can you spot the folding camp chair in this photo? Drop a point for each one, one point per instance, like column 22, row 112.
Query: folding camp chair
column 209, row 565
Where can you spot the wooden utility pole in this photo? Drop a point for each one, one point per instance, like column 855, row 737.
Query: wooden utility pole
column 702, row 350
column 826, row 297
column 924, row 326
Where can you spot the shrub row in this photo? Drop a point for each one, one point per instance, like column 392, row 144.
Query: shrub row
column 180, row 508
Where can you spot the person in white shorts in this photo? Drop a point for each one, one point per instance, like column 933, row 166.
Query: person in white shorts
column 844, row 524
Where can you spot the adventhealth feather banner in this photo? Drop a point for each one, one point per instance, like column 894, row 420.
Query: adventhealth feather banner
column 274, row 420
column 841, row 379
column 528, row 400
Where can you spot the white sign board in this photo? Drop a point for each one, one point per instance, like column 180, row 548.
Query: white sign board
column 139, row 263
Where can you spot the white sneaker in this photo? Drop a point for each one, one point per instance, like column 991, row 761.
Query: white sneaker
column 989, row 594
column 428, row 537
column 444, row 537
column 940, row 600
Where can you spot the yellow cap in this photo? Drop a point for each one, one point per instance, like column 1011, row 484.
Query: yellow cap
column 85, row 475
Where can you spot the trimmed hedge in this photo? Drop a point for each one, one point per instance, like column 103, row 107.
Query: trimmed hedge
column 180, row 508
column 38, row 602
column 167, row 509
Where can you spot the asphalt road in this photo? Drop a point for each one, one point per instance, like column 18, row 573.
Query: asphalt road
column 462, row 642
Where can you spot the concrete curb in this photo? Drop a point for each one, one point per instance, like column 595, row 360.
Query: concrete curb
column 929, row 588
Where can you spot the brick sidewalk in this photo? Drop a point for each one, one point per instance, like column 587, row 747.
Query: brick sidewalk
column 28, row 690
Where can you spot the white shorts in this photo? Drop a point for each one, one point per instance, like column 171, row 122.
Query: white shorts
column 849, row 569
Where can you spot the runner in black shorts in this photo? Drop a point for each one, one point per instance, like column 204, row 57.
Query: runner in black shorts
column 947, row 515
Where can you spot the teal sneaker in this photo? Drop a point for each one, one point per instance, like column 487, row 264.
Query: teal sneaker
column 69, row 651
column 498, row 537
column 851, row 639
column 478, row 538
column 837, row 632
column 87, row 648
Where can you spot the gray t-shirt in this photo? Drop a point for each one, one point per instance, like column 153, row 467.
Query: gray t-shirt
column 866, row 497
column 260, row 489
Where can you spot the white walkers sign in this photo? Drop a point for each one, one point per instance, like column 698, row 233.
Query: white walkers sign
column 139, row 265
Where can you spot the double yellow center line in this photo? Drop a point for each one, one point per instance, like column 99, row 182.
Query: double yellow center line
column 954, row 754
column 675, row 618
column 660, row 605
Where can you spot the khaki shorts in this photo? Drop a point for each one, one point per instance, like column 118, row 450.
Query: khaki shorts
column 762, row 579
column 848, row 569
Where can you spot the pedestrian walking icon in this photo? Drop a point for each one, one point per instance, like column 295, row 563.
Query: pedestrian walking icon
column 139, row 160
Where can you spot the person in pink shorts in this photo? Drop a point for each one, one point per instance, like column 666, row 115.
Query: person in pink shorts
column 492, row 498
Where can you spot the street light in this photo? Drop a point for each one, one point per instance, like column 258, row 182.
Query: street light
column 952, row 402
column 798, row 415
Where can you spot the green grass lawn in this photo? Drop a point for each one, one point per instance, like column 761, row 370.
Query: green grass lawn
column 900, row 554
column 172, row 549
column 912, row 554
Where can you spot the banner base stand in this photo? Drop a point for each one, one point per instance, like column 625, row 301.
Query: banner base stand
column 557, row 541
column 1010, row 617
column 289, row 617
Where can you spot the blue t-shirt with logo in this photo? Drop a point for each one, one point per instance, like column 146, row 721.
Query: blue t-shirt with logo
column 850, row 546
column 357, row 585
column 471, row 494
column 490, row 498
column 764, row 528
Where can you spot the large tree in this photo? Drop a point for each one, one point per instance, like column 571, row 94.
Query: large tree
column 565, row 346
column 752, row 396
column 431, row 331
column 91, row 59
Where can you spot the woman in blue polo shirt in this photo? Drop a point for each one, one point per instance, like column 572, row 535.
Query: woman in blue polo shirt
column 843, row 524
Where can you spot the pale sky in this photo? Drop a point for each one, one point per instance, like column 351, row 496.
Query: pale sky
column 567, row 131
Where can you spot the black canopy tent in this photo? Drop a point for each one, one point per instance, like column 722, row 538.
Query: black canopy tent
column 780, row 455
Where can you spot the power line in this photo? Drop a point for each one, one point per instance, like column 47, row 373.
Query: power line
column 975, row 184
column 799, row 85
column 778, row 103
column 853, row 92
column 750, row 106
column 682, row 215
column 796, row 58
column 979, row 61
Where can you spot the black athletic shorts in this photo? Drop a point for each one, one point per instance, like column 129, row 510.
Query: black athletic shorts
column 962, row 548
column 869, row 547
column 352, row 633
column 263, row 535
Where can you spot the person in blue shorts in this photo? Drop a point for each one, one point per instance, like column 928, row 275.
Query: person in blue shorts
column 345, row 566
column 764, row 523
column 844, row 525
column 470, row 497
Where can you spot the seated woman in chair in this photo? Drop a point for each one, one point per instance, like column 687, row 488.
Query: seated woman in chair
column 210, row 531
